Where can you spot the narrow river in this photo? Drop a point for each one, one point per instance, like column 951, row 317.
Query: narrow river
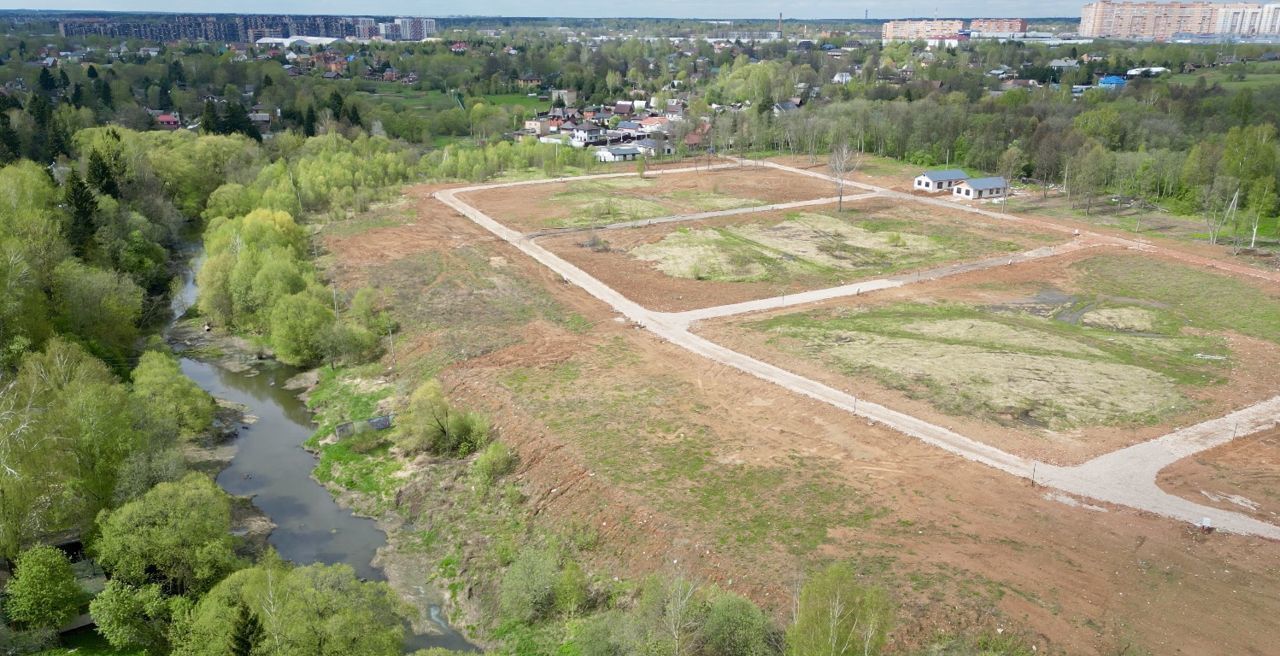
column 271, row 466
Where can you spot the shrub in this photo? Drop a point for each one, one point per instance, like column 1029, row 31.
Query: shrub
column 528, row 586
column 493, row 463
column 43, row 593
column 431, row 424
column 735, row 627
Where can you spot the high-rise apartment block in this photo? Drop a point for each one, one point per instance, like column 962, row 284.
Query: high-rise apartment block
column 1161, row 20
column 998, row 25
column 915, row 30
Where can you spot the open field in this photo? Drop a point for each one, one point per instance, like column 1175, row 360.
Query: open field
column 1059, row 359
column 730, row 259
column 1256, row 74
column 588, row 203
column 1243, row 476
column 706, row 470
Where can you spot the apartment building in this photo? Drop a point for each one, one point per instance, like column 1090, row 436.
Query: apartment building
column 1159, row 21
column 998, row 25
column 915, row 30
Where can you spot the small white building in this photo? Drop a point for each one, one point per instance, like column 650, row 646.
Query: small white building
column 617, row 153
column 943, row 180
column 982, row 189
column 587, row 132
column 655, row 147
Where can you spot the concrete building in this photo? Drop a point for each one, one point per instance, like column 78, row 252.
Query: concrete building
column 915, row 30
column 1159, row 21
column 935, row 181
column 981, row 189
column 998, row 25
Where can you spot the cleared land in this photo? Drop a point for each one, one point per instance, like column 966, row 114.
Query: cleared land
column 679, row 267
column 652, row 460
column 1243, row 476
column 1058, row 359
column 586, row 203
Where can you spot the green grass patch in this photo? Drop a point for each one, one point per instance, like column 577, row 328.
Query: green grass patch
column 1009, row 366
column 87, row 642
column 367, row 469
column 520, row 99
column 1197, row 298
column 643, row 435
column 342, row 395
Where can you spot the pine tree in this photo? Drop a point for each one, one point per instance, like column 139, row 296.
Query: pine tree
column 210, row 123
column 237, row 121
column 10, row 143
column 246, row 632
column 82, row 204
column 59, row 140
column 353, row 115
column 335, row 104
column 104, row 94
column 102, row 176
column 309, row 122
column 47, row 83
column 77, row 96
column 63, row 80
column 92, row 72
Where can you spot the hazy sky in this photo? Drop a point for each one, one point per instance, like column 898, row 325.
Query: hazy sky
column 665, row 8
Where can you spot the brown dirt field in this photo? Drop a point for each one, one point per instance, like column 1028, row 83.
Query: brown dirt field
column 960, row 547
column 1243, row 476
column 535, row 207
column 1254, row 376
column 644, row 283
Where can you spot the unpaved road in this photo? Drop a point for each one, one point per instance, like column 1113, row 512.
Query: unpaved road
column 1125, row 477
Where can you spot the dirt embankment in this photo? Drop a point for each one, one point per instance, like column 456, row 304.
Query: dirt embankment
column 958, row 545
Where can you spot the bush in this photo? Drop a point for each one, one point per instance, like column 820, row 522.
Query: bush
column 735, row 627
column 432, row 425
column 43, row 593
column 528, row 586
column 493, row 463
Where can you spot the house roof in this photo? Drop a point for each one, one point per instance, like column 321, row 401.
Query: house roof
column 587, row 125
column 987, row 184
column 946, row 175
column 623, row 150
column 628, row 125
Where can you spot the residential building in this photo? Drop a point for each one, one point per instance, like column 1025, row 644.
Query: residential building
column 942, row 180
column 617, row 153
column 655, row 146
column 168, row 122
column 998, row 25
column 981, row 189
column 416, row 29
column 916, row 30
column 1159, row 21
column 587, row 132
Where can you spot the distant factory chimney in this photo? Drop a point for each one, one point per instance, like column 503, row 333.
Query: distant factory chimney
column 779, row 25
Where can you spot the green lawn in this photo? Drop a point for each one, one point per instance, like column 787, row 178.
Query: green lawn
column 1222, row 77
column 531, row 102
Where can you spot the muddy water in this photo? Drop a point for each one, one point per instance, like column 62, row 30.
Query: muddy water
column 271, row 466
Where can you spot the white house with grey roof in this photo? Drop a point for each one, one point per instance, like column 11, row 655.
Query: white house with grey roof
column 935, row 181
column 982, row 189
column 617, row 153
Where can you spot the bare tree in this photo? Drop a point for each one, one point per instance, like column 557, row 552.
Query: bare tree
column 679, row 616
column 843, row 162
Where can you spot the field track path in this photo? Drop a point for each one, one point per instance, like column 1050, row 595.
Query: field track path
column 1125, row 477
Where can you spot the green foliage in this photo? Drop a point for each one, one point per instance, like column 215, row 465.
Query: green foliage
column 322, row 610
column 431, row 424
column 570, row 590
column 298, row 326
column 135, row 617
column 43, row 592
column 167, row 401
column 177, row 534
column 102, row 308
column 734, row 627
column 494, row 462
column 528, row 591
column 837, row 614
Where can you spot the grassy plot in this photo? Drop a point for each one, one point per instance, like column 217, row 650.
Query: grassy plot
column 360, row 463
column 616, row 200
column 1084, row 365
column 642, row 434
column 812, row 245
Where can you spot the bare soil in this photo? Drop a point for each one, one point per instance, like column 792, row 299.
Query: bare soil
column 1243, row 476
column 1253, row 373
column 550, row 205
column 609, row 255
column 959, row 546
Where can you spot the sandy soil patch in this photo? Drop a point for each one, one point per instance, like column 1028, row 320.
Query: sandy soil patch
column 1243, row 476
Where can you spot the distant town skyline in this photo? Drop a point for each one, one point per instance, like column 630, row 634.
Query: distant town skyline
column 710, row 9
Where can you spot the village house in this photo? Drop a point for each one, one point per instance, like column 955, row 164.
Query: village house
column 655, row 146
column 168, row 122
column 674, row 110
column 942, row 180
column 629, row 128
column 617, row 153
column 538, row 127
column 587, row 132
column 982, row 188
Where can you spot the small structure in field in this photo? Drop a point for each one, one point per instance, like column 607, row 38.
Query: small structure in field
column 617, row 153
column 982, row 188
column 943, row 180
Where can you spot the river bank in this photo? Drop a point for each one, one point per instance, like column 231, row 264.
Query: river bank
column 260, row 460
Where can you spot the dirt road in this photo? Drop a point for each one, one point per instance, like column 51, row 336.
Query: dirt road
column 1125, row 477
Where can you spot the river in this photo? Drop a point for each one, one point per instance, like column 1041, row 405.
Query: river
column 271, row 466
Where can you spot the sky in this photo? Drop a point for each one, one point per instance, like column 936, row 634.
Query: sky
column 798, row 9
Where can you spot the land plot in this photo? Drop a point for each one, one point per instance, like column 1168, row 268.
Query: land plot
column 585, row 203
column 1243, row 475
column 675, row 267
column 1060, row 359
